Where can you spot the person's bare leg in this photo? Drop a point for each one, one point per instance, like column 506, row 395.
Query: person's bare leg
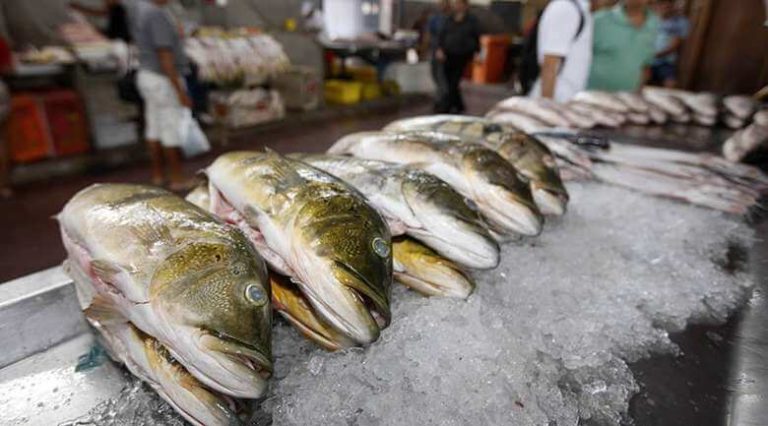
column 177, row 182
column 156, row 156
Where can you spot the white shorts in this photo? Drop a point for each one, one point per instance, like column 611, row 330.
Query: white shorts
column 162, row 110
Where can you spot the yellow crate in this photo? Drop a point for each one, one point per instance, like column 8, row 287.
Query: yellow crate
column 371, row 91
column 343, row 92
column 364, row 74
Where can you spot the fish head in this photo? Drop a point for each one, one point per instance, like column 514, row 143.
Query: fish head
column 215, row 298
column 290, row 302
column 344, row 260
column 503, row 197
column 449, row 224
column 422, row 269
column 535, row 163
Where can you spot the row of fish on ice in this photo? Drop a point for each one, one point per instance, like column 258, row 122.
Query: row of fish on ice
column 702, row 179
column 182, row 292
column 653, row 106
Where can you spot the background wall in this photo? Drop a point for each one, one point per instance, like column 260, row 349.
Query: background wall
column 727, row 51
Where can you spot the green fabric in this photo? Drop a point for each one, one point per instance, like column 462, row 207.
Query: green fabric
column 620, row 50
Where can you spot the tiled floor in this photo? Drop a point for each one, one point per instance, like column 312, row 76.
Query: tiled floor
column 29, row 239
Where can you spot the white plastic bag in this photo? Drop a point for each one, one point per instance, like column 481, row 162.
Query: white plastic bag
column 193, row 140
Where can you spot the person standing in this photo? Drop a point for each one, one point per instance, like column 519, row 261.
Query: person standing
column 162, row 63
column 564, row 49
column 672, row 33
column 434, row 26
column 623, row 47
column 457, row 44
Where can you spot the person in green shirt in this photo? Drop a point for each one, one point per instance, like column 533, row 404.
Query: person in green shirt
column 623, row 46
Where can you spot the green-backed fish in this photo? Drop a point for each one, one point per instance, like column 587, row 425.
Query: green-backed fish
column 177, row 273
column 477, row 172
column 422, row 269
column 419, row 204
column 531, row 158
column 314, row 228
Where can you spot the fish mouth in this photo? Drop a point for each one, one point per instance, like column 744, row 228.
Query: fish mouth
column 445, row 282
column 294, row 306
column 327, row 338
column 549, row 202
column 464, row 246
column 506, row 212
column 248, row 356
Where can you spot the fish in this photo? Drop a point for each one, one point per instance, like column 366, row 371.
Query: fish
column 313, row 227
column 633, row 101
column 519, row 121
column 700, row 103
column 287, row 298
column 761, row 118
column 177, row 273
column 532, row 159
column 704, row 120
column 291, row 303
column 478, row 173
column 745, row 141
column 540, row 109
column 418, row 204
column 740, row 106
column 154, row 364
column 601, row 116
column 604, row 100
column 662, row 99
column 733, row 122
column 657, row 114
column 425, row 271
column 682, row 118
column 638, row 118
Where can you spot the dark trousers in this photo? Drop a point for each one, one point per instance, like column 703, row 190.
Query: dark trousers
column 438, row 76
column 454, row 69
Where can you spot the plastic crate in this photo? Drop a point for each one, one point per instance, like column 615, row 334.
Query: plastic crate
column 343, row 92
column 371, row 91
column 493, row 56
column 66, row 122
column 27, row 130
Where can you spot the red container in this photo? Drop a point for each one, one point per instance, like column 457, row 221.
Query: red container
column 66, row 121
column 27, row 130
column 493, row 56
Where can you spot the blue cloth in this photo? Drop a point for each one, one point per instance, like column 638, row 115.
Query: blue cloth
column 676, row 26
column 435, row 24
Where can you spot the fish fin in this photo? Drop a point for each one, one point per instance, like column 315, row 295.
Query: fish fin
column 105, row 269
column 104, row 311
column 149, row 234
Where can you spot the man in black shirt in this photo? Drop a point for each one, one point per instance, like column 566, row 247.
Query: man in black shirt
column 457, row 44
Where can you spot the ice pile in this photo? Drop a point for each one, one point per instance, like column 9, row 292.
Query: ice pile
column 544, row 339
column 546, row 336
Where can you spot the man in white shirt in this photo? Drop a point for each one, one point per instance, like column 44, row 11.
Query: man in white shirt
column 564, row 49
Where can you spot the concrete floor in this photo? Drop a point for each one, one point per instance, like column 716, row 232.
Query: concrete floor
column 30, row 240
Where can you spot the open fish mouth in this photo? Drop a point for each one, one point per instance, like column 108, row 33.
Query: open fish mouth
column 239, row 352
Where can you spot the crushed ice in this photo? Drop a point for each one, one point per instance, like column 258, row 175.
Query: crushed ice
column 546, row 337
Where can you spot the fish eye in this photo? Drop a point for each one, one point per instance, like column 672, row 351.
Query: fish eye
column 256, row 295
column 380, row 247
